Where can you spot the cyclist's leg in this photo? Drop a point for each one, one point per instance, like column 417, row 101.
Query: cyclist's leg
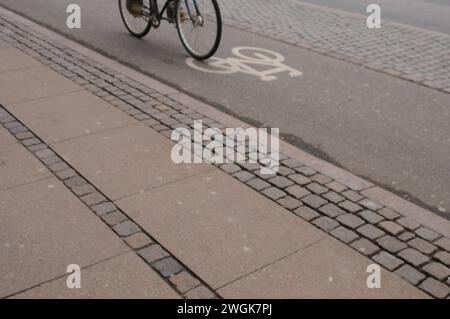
column 171, row 10
column 154, row 9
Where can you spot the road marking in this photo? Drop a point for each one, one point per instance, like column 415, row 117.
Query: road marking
column 246, row 61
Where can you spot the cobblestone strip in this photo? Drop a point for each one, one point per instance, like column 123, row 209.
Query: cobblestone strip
column 413, row 54
column 401, row 245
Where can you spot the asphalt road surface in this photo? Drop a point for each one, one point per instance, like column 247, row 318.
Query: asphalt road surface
column 388, row 130
column 428, row 14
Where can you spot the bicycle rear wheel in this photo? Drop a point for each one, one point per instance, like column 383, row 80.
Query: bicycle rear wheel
column 136, row 16
column 199, row 25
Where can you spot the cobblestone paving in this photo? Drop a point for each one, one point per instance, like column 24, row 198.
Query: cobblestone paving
column 410, row 53
column 401, row 245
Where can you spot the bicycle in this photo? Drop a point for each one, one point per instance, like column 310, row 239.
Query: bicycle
column 198, row 22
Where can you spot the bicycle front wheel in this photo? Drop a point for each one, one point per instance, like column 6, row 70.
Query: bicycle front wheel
column 199, row 25
column 136, row 16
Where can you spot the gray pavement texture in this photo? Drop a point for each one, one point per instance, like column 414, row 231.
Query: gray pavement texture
column 152, row 108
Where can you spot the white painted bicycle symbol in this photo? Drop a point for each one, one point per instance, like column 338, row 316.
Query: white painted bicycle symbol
column 247, row 60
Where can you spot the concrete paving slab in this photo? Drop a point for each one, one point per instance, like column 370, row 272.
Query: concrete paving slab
column 33, row 83
column 17, row 165
column 70, row 115
column 43, row 229
column 218, row 227
column 327, row 269
column 124, row 276
column 13, row 59
column 126, row 161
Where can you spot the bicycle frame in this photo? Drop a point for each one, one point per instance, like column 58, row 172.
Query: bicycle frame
column 160, row 14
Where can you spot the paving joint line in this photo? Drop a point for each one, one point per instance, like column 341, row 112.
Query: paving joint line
column 63, row 275
column 46, row 97
column 99, row 132
column 164, row 185
column 271, row 263
column 25, row 184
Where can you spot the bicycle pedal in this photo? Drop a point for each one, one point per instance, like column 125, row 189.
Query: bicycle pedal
column 156, row 22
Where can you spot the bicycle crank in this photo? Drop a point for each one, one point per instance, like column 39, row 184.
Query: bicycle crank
column 155, row 20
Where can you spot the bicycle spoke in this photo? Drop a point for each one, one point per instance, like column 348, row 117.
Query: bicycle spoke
column 200, row 28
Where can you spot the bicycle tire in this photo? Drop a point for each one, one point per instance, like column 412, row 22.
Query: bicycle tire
column 218, row 37
column 141, row 34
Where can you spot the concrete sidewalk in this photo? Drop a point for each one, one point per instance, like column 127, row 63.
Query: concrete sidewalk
column 44, row 228
column 87, row 179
